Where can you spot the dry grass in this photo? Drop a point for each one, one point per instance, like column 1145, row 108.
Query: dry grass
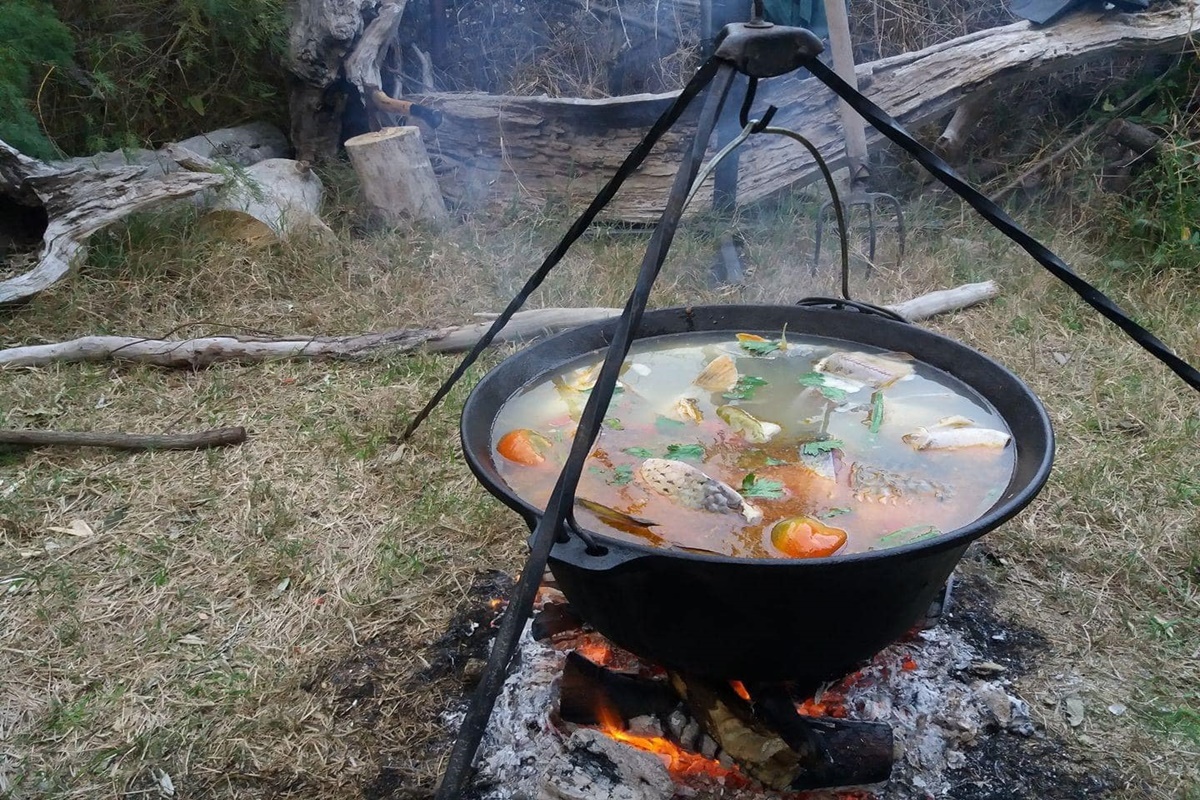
column 252, row 621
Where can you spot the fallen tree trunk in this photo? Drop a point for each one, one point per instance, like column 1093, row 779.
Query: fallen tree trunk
column 219, row 437
column 269, row 202
column 525, row 325
column 491, row 149
column 78, row 202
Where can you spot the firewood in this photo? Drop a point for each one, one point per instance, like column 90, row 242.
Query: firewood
column 586, row 688
column 218, row 437
column 1137, row 138
column 268, row 202
column 396, row 177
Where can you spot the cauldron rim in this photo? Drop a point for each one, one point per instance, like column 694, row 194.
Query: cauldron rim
column 1008, row 505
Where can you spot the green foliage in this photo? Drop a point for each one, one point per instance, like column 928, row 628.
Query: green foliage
column 1161, row 228
column 156, row 70
column 31, row 40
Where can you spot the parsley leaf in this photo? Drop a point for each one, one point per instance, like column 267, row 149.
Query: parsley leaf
column 913, row 533
column 682, row 451
column 754, row 486
column 817, row 381
column 821, row 446
column 639, row 452
column 776, row 462
column 759, row 348
column 834, row 512
column 622, row 475
column 614, row 423
column 875, row 420
column 745, row 388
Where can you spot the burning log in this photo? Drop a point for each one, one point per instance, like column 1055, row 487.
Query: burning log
column 588, row 690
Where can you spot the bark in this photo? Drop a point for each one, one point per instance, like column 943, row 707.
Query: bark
column 125, row 441
column 396, row 177
column 492, row 149
column 78, row 202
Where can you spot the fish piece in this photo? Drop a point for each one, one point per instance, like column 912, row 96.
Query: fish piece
column 743, row 422
column 875, row 485
column 573, row 399
column 806, row 537
column 523, row 446
column 582, row 379
column 616, row 518
column 687, row 409
column 877, row 370
column 720, row 375
column 693, row 488
column 955, row 433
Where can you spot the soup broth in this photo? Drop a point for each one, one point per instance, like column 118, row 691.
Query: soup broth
column 762, row 446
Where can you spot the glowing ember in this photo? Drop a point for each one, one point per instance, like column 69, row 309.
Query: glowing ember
column 495, row 603
column 739, row 689
column 681, row 763
column 594, row 651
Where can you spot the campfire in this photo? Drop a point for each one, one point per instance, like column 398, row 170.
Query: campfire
column 580, row 717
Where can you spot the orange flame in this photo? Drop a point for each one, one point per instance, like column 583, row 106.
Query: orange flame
column 681, row 763
column 740, row 690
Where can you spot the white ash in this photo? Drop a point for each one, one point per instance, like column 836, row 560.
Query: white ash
column 938, row 711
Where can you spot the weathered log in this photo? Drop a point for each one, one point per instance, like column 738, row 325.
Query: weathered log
column 363, row 66
column 497, row 148
column 194, row 353
column 525, row 325
column 78, row 202
column 268, row 202
column 1138, row 138
column 396, row 177
column 202, row 440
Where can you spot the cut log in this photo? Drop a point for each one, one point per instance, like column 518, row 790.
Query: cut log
column 1138, row 138
column 954, row 138
column 587, row 691
column 397, row 179
column 492, row 149
column 78, row 202
column 268, row 202
column 219, row 437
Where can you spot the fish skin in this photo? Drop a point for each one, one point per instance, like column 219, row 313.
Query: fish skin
column 693, row 488
column 955, row 437
column 686, row 409
column 754, row 429
column 876, row 370
column 719, row 375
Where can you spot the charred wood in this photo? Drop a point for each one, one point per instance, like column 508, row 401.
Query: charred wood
column 1138, row 138
column 587, row 688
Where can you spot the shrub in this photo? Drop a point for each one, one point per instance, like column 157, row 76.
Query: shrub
column 31, row 39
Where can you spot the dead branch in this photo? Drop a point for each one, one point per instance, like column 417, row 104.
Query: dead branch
column 219, row 437
column 525, row 325
column 1138, row 138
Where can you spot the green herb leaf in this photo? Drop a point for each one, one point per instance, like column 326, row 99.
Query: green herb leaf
column 822, row 446
column 639, row 452
column 875, row 420
column 754, row 486
column 684, row 451
column 913, row 533
column 666, row 425
column 622, row 475
column 614, row 423
column 816, row 381
column 776, row 462
column 833, row 512
column 745, row 388
column 759, row 348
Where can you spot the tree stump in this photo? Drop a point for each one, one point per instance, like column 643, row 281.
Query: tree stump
column 396, row 176
column 273, row 199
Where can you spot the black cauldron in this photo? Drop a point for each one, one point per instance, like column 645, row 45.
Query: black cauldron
column 755, row 619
